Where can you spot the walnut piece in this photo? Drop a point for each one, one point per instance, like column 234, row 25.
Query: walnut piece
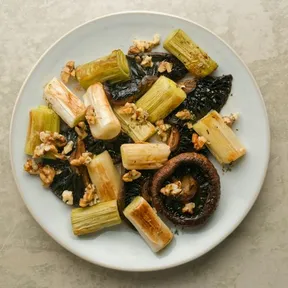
column 32, row 167
column 146, row 61
column 53, row 138
column 84, row 159
column 137, row 114
column 90, row 115
column 68, row 148
column 67, row 197
column 131, row 176
column 229, row 120
column 172, row 189
column 184, row 115
column 165, row 66
column 188, row 208
column 90, row 196
column 198, row 141
column 163, row 130
column 68, row 71
column 144, row 45
column 81, row 130
column 43, row 149
column 47, row 174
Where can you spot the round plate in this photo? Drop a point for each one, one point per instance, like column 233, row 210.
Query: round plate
column 120, row 247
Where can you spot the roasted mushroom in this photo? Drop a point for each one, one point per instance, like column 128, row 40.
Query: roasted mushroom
column 204, row 202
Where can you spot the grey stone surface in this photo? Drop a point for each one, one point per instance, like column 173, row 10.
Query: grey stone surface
column 256, row 254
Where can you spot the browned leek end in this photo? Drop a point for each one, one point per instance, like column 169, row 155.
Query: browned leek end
column 94, row 218
column 153, row 230
column 40, row 119
column 221, row 140
column 105, row 177
column 144, row 156
column 189, row 53
column 113, row 68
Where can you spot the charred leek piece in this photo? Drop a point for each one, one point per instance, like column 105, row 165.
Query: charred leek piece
column 162, row 98
column 105, row 177
column 139, row 132
column 65, row 103
column 113, row 68
column 153, row 230
column 221, row 140
column 40, row 119
column 94, row 218
column 144, row 156
column 194, row 58
column 105, row 125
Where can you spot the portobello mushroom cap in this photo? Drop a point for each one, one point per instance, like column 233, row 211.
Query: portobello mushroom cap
column 206, row 198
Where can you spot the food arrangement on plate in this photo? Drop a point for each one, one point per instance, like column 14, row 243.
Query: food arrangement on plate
column 135, row 146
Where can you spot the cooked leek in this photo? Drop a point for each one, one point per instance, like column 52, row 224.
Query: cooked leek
column 194, row 58
column 40, row 119
column 105, row 177
column 65, row 103
column 139, row 132
column 221, row 140
column 153, row 230
column 162, row 98
column 144, row 156
column 113, row 68
column 105, row 124
column 94, row 218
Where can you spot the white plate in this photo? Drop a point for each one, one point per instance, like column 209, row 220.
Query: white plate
column 120, row 248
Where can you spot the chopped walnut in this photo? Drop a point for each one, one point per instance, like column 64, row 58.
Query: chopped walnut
column 81, row 130
column 172, row 189
column 67, row 197
column 67, row 71
column 84, row 159
column 68, row 148
column 165, row 66
column 198, row 141
column 90, row 115
column 43, row 149
column 32, row 167
column 189, row 125
column 90, row 196
column 137, row 114
column 54, row 138
column 229, row 120
column 163, row 130
column 47, row 174
column 140, row 46
column 184, row 115
column 146, row 61
column 188, row 208
column 131, row 176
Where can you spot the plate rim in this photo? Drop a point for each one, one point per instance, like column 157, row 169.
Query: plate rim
column 236, row 224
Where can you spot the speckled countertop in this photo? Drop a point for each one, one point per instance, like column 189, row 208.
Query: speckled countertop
column 256, row 254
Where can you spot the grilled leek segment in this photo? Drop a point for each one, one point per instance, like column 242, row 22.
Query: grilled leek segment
column 65, row 103
column 94, row 218
column 144, row 156
column 102, row 121
column 105, row 177
column 139, row 132
column 153, row 230
column 113, row 68
column 189, row 53
column 221, row 140
column 162, row 98
column 40, row 119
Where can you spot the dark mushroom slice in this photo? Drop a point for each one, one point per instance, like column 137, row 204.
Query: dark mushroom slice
column 211, row 93
column 205, row 199
column 97, row 146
